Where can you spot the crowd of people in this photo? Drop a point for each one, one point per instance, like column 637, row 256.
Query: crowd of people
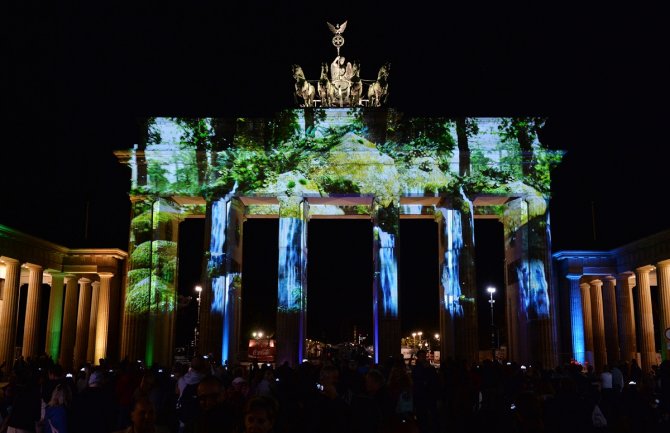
column 347, row 395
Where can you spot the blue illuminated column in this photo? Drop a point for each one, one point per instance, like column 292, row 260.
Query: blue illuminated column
column 515, row 220
column 527, row 255
column 221, row 311
column 292, row 284
column 386, row 326
column 450, row 244
column 576, row 319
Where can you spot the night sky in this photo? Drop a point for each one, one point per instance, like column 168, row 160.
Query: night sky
column 74, row 81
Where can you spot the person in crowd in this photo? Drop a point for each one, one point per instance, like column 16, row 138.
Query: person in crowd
column 143, row 418
column 260, row 414
column 425, row 392
column 56, row 411
column 94, row 409
column 25, row 408
column 187, row 402
column 214, row 414
column 327, row 409
column 372, row 410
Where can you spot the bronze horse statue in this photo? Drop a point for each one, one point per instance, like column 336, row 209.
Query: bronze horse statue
column 378, row 91
column 303, row 88
column 356, row 86
column 324, row 86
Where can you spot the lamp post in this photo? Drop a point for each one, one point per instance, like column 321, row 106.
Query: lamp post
column 198, row 289
column 491, row 290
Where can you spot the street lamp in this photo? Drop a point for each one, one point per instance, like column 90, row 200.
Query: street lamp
column 413, row 339
column 491, row 290
column 198, row 289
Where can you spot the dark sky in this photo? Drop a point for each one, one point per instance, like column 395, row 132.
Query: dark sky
column 74, row 81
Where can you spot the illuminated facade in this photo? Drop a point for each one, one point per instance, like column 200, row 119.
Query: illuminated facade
column 618, row 303
column 82, row 288
column 358, row 162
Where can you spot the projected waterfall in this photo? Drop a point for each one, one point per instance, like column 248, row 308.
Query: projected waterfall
column 290, row 272
column 450, row 279
column 223, row 282
column 388, row 273
column 533, row 289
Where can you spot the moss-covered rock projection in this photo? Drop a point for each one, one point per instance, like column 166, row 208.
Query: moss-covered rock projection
column 334, row 151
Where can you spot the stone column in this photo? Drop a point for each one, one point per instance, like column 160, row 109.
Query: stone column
column 55, row 318
column 576, row 319
column 626, row 316
column 9, row 311
column 69, row 322
column 449, row 245
column 83, row 318
column 93, row 323
column 663, row 282
column 292, row 280
column 102, row 319
column 647, row 344
column 599, row 348
column 386, row 326
column 610, row 316
column 588, row 322
column 32, row 325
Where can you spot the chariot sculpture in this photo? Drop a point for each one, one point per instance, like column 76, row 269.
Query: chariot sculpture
column 340, row 83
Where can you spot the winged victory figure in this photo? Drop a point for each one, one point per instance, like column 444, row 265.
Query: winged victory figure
column 337, row 29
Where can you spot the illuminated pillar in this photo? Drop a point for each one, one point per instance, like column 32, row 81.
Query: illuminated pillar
column 588, row 322
column 9, row 311
column 663, row 282
column 32, row 324
column 83, row 318
column 222, row 295
column 576, row 319
column 292, row 280
column 449, row 302
column 598, row 323
column 69, row 323
column 647, row 344
column 515, row 218
column 93, row 323
column 610, row 317
column 150, row 296
column 55, row 317
column 102, row 319
column 467, row 334
column 626, row 316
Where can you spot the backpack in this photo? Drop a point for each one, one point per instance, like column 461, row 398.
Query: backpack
column 187, row 404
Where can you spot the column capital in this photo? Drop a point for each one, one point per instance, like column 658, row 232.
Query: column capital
column 32, row 266
column 585, row 286
column 95, row 284
column 645, row 269
column 105, row 274
column 84, row 281
column 573, row 277
column 8, row 260
column 597, row 282
column 69, row 277
column 609, row 279
column 661, row 264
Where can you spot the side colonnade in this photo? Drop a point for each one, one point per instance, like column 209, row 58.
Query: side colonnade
column 76, row 331
column 613, row 299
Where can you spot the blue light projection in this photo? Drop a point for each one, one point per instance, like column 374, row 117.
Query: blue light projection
column 290, row 280
column 577, row 321
column 388, row 266
column 223, row 281
column 533, row 289
column 453, row 238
